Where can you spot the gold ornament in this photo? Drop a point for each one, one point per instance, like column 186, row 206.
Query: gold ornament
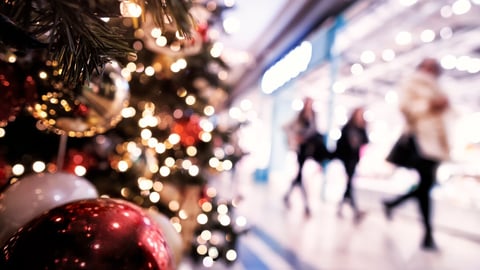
column 83, row 111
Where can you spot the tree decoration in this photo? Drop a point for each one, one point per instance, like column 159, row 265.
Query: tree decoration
column 84, row 110
column 89, row 234
column 17, row 89
column 168, row 143
column 77, row 37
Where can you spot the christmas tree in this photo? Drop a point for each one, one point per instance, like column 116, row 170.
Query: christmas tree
column 126, row 94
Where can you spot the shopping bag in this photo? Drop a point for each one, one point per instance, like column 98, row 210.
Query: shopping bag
column 404, row 152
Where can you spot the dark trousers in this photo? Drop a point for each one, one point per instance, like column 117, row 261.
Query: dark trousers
column 348, row 195
column 427, row 172
column 305, row 151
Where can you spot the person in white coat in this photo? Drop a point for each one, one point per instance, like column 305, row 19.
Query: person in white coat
column 424, row 106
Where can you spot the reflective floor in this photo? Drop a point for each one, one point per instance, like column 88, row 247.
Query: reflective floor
column 283, row 238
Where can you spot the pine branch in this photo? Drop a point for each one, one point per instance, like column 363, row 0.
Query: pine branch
column 172, row 12
column 78, row 40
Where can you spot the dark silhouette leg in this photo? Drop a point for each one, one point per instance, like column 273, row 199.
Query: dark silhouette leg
column 427, row 172
column 301, row 158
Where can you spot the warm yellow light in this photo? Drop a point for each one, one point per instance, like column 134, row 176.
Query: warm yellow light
column 80, row 170
column 18, row 169
column 130, row 9
column 38, row 166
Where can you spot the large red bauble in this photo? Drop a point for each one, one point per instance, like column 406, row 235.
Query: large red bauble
column 89, row 234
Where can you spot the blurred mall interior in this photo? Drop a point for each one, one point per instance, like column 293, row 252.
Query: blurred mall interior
column 354, row 58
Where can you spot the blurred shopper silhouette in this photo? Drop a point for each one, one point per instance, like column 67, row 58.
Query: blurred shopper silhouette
column 304, row 138
column 424, row 107
column 354, row 136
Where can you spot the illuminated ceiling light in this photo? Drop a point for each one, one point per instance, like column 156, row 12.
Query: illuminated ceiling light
column 446, row 33
column 356, row 69
column 474, row 66
column 231, row 25
column 229, row 3
column 391, row 97
column 388, row 55
column 446, row 11
column 234, row 112
column 460, row 7
column 408, row 3
column 339, row 87
column 403, row 38
column 462, row 63
column 448, row 62
column 367, row 57
column 297, row 104
column 246, row 104
column 427, row 35
column 476, row 2
column 289, row 67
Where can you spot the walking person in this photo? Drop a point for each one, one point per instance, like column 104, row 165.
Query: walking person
column 305, row 139
column 424, row 107
column 353, row 137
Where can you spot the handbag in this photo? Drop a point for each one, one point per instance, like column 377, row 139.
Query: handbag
column 404, row 152
column 320, row 152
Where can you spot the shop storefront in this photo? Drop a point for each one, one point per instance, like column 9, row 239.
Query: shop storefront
column 358, row 59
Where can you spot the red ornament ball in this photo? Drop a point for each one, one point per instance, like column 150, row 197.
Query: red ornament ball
column 89, row 234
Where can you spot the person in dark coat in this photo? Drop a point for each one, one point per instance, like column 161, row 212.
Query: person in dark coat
column 353, row 137
column 307, row 142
